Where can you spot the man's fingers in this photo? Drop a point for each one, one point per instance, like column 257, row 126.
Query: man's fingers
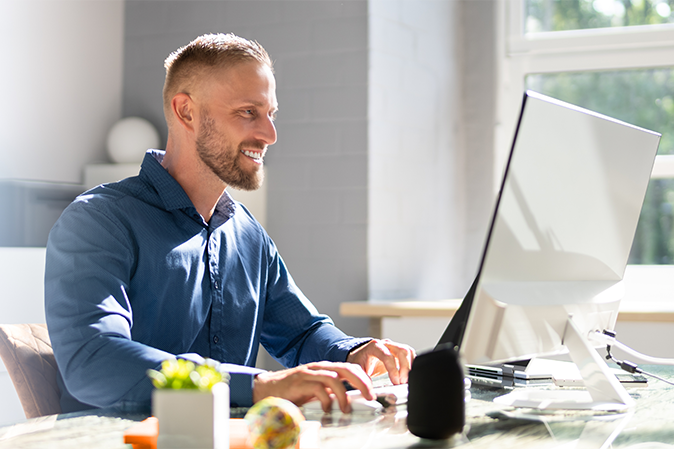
column 351, row 373
column 320, row 380
column 394, row 358
column 375, row 354
column 404, row 355
column 383, row 353
column 322, row 395
column 328, row 381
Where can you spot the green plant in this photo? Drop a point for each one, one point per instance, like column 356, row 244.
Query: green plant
column 181, row 374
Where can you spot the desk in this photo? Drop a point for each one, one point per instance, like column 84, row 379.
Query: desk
column 650, row 422
column 431, row 317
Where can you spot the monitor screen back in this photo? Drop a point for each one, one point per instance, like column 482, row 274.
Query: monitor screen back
column 561, row 232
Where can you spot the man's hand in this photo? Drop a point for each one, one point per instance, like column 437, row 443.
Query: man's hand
column 381, row 356
column 314, row 380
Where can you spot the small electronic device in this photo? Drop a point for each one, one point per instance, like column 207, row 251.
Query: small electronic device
column 514, row 374
column 540, row 371
column 437, row 394
column 554, row 258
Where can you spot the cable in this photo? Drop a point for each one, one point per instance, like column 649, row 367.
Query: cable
column 608, row 338
column 628, row 366
column 651, row 445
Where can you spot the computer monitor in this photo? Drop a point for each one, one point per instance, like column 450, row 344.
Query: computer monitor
column 555, row 254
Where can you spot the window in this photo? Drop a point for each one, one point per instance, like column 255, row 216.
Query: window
column 613, row 57
column 559, row 15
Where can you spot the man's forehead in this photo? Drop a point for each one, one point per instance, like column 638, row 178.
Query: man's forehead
column 243, row 76
column 236, row 69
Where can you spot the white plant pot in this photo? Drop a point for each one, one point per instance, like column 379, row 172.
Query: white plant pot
column 192, row 419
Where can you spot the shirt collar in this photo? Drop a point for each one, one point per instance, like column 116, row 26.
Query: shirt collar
column 172, row 194
column 224, row 210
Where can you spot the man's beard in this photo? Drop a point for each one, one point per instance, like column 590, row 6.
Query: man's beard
column 223, row 159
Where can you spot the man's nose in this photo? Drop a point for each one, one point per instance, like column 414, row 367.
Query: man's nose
column 267, row 131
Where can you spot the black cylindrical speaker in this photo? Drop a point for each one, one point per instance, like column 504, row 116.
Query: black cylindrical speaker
column 436, row 394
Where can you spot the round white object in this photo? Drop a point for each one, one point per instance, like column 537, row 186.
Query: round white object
column 130, row 138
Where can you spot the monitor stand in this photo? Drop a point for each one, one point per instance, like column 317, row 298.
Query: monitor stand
column 603, row 392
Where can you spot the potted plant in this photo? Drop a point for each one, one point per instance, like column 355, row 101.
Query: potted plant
column 191, row 403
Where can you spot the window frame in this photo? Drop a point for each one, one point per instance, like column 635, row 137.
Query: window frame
column 600, row 49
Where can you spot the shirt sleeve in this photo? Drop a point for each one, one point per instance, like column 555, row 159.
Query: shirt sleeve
column 294, row 332
column 90, row 261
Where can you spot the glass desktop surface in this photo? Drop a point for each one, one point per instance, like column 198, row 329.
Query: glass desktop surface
column 488, row 425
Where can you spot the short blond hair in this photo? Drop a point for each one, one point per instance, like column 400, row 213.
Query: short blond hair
column 187, row 65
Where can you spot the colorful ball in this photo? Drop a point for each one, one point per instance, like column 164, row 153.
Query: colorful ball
column 274, row 423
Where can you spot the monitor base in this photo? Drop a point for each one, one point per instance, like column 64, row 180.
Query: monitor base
column 558, row 400
column 603, row 392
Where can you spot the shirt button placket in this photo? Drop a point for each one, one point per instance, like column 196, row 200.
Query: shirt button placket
column 213, row 255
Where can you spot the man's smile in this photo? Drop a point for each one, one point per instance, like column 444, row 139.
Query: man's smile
column 256, row 156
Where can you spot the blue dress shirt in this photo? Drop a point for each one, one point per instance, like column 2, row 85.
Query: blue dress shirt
column 134, row 275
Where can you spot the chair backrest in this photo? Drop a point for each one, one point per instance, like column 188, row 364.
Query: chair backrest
column 26, row 351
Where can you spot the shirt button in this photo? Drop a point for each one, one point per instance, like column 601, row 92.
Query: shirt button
column 216, row 339
column 216, row 285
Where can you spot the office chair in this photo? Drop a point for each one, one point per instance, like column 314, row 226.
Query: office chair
column 26, row 351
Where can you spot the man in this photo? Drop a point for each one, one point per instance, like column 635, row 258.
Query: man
column 166, row 264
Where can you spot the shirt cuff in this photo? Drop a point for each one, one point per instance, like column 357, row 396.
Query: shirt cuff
column 241, row 380
column 241, row 389
column 340, row 352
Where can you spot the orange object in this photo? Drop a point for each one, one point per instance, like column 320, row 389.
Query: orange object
column 144, row 434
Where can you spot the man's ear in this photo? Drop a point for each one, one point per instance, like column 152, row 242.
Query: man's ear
column 182, row 108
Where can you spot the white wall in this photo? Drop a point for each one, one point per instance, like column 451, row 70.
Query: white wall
column 62, row 85
column 415, row 148
column 480, row 30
